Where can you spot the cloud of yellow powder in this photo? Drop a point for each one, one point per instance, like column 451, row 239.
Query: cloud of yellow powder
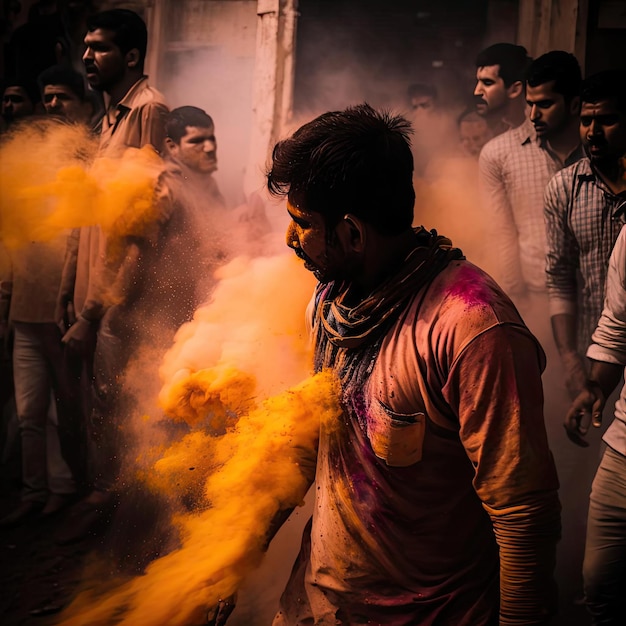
column 50, row 183
column 237, row 375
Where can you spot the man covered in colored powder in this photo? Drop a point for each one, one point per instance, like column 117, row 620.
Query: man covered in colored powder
column 192, row 241
column 436, row 499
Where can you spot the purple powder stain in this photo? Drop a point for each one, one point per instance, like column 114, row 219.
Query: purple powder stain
column 470, row 287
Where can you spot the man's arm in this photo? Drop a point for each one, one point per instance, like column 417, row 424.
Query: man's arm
column 499, row 215
column 564, row 330
column 607, row 352
column 561, row 272
column 64, row 313
column 6, row 287
column 495, row 385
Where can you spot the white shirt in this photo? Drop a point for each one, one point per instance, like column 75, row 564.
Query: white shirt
column 609, row 338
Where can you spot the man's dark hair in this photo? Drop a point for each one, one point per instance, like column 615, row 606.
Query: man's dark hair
column 355, row 161
column 422, row 89
column 28, row 85
column 607, row 85
column 128, row 28
column 512, row 59
column 178, row 119
column 63, row 75
column 558, row 66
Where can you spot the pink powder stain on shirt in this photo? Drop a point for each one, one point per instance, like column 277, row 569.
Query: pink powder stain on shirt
column 469, row 286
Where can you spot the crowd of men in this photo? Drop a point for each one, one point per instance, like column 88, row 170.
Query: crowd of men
column 72, row 337
column 438, row 497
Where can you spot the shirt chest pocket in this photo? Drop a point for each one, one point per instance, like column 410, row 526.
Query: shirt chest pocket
column 396, row 438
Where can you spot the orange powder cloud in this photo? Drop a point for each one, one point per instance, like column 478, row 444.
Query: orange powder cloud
column 50, row 183
column 238, row 376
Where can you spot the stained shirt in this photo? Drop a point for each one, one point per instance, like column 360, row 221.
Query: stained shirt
column 583, row 219
column 188, row 243
column 609, row 338
column 514, row 169
column 436, row 498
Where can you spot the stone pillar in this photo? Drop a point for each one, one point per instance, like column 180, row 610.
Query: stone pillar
column 272, row 97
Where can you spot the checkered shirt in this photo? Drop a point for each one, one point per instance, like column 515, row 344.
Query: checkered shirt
column 583, row 219
column 514, row 169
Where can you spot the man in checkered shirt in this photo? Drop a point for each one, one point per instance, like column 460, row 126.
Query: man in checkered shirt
column 584, row 211
column 514, row 169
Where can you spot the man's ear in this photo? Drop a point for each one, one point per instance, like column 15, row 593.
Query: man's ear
column 574, row 106
column 352, row 233
column 171, row 145
column 515, row 89
column 132, row 58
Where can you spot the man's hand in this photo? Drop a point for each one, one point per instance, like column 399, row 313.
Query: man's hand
column 81, row 336
column 217, row 615
column 575, row 373
column 64, row 315
column 586, row 408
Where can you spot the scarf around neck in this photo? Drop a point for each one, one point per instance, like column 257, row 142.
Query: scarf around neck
column 347, row 338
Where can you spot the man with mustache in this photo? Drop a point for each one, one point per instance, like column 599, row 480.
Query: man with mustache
column 436, row 493
column 514, row 169
column 499, row 91
column 584, row 211
column 103, row 334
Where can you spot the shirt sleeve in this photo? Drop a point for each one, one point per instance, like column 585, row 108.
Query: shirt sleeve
column 499, row 215
column 495, row 385
column 562, row 252
column 609, row 338
column 68, row 275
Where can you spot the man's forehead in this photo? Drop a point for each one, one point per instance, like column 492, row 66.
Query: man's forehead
column 601, row 107
column 15, row 90
column 101, row 35
column 199, row 131
column 544, row 91
column 51, row 89
column 488, row 71
column 296, row 210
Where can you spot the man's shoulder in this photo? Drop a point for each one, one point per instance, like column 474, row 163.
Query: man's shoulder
column 507, row 144
column 565, row 178
column 463, row 289
column 462, row 303
column 144, row 95
column 498, row 145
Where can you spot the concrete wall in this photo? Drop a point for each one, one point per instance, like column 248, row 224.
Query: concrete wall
column 202, row 53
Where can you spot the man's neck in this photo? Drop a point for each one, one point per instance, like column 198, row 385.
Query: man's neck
column 119, row 90
column 386, row 254
column 515, row 113
column 565, row 141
